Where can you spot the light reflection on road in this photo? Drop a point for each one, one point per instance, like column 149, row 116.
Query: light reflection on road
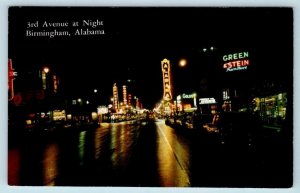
column 122, row 140
column 114, row 145
column 50, row 164
column 100, row 135
column 14, row 159
column 110, row 148
column 172, row 166
column 81, row 146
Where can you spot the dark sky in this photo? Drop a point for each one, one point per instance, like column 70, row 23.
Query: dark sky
column 137, row 39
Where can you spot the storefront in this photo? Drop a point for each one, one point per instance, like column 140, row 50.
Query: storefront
column 186, row 102
column 207, row 105
column 271, row 109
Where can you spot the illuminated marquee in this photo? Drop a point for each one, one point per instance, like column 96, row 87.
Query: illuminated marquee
column 236, row 61
column 207, row 101
column 165, row 65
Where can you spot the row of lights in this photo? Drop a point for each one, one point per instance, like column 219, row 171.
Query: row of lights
column 87, row 102
column 211, row 49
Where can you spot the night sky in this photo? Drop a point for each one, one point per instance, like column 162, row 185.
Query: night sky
column 137, row 39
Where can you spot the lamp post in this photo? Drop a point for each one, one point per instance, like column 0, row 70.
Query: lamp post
column 95, row 97
column 45, row 71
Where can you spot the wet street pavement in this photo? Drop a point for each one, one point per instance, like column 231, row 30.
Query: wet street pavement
column 146, row 154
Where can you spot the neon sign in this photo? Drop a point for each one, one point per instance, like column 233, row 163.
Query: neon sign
column 207, row 101
column 115, row 96
column 125, row 95
column 188, row 96
column 165, row 65
column 236, row 61
column 11, row 76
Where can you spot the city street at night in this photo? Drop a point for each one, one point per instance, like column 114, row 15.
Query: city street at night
column 150, row 97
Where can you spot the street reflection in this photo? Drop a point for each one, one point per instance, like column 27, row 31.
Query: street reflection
column 115, row 144
column 99, row 138
column 13, row 167
column 126, row 141
column 140, row 154
column 81, row 146
column 50, row 164
column 171, row 167
column 121, row 143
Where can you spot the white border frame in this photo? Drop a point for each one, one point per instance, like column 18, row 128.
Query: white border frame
column 4, row 4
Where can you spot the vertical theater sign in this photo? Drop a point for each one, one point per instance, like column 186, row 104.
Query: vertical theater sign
column 165, row 65
column 115, row 97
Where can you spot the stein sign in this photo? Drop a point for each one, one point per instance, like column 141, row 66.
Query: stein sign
column 236, row 61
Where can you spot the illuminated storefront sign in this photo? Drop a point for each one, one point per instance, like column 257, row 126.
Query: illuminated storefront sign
column 165, row 65
column 94, row 116
column 226, row 95
column 207, row 101
column 102, row 110
column 272, row 109
column 188, row 96
column 236, row 61
column 187, row 106
column 55, row 83
column 59, row 115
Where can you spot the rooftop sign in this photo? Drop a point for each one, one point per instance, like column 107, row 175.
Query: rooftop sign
column 236, row 61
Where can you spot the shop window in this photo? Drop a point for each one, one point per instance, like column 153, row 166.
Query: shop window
column 273, row 108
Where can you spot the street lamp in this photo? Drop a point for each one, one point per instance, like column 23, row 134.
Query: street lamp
column 95, row 90
column 182, row 63
column 46, row 70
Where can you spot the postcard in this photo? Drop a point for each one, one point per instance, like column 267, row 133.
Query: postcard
column 150, row 96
